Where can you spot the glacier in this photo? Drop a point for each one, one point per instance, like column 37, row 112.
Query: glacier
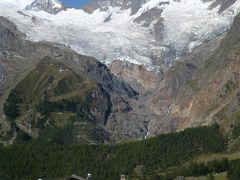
column 187, row 24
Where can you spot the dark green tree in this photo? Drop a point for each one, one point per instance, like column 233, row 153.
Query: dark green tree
column 234, row 171
column 11, row 107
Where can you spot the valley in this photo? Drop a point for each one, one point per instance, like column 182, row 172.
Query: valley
column 149, row 89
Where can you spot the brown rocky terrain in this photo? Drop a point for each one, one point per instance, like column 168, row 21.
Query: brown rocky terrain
column 214, row 85
column 135, row 74
column 199, row 89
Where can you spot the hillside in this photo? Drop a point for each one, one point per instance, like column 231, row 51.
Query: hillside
column 199, row 89
column 203, row 87
column 22, row 71
column 162, row 101
column 107, row 162
column 52, row 96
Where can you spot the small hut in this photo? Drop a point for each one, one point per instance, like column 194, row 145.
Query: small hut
column 75, row 177
column 123, row 177
column 180, row 178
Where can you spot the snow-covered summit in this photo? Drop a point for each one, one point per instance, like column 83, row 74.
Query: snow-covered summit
column 14, row 4
column 50, row 6
column 150, row 32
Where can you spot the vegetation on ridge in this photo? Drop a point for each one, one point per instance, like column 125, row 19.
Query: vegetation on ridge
column 52, row 98
column 55, row 159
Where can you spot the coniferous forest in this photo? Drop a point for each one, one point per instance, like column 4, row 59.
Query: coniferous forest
column 53, row 160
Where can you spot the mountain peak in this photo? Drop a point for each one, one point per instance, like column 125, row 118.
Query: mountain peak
column 50, row 6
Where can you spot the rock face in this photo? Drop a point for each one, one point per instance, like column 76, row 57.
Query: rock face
column 50, row 6
column 224, row 4
column 136, row 75
column 206, row 91
column 136, row 5
column 19, row 58
column 124, row 4
column 200, row 89
column 53, row 95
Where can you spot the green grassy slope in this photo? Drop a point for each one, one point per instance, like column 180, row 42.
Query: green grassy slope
column 53, row 96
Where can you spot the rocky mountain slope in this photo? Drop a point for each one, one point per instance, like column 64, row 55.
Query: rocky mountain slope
column 214, row 86
column 71, row 77
column 136, row 5
column 52, row 95
column 50, row 6
column 201, row 88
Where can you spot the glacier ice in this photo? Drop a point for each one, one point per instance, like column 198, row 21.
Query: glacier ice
column 187, row 23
